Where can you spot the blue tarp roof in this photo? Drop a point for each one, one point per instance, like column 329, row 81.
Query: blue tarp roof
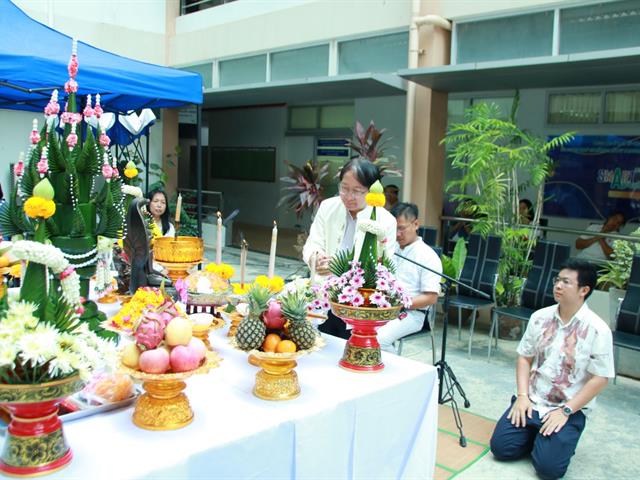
column 34, row 56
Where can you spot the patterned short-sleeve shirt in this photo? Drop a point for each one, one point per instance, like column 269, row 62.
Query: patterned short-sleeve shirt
column 565, row 356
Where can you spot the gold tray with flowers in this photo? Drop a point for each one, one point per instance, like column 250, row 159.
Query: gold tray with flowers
column 365, row 313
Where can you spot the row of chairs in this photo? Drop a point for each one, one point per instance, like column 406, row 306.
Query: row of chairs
column 480, row 272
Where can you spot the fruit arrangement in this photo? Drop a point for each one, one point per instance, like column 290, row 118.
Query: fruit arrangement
column 276, row 325
column 163, row 342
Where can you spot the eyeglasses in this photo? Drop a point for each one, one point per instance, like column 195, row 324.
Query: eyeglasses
column 563, row 281
column 351, row 193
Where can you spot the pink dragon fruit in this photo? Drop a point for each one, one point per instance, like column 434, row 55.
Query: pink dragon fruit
column 149, row 333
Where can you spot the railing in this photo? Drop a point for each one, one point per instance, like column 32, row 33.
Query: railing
column 191, row 6
column 209, row 207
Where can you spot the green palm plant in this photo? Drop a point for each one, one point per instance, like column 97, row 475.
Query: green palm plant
column 491, row 152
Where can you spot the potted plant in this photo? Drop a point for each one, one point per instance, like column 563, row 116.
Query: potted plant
column 616, row 271
column 491, row 153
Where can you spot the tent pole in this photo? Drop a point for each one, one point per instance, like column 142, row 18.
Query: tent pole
column 146, row 169
column 199, row 166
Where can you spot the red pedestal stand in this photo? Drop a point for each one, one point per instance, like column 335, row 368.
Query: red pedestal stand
column 362, row 350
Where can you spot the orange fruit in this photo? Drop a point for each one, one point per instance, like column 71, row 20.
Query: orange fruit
column 270, row 343
column 4, row 261
column 286, row 346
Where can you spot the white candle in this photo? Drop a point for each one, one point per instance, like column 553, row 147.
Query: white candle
column 312, row 266
column 272, row 252
column 178, row 207
column 243, row 261
column 219, row 240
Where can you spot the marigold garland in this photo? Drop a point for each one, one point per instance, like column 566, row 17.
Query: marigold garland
column 375, row 199
column 144, row 298
column 38, row 207
column 275, row 284
column 223, row 270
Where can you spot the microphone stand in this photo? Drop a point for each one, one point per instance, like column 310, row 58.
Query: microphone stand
column 447, row 381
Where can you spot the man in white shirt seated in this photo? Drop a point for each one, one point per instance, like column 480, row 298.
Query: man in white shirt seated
column 598, row 248
column 421, row 284
column 565, row 360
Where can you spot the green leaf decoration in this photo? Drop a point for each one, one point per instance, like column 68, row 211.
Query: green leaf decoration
column 57, row 312
column 57, row 162
column 78, row 227
column 113, row 227
column 340, row 263
column 35, row 280
column 89, row 161
column 13, row 221
column 52, row 228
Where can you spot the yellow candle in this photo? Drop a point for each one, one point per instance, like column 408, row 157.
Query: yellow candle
column 178, row 207
column 219, row 240
column 272, row 252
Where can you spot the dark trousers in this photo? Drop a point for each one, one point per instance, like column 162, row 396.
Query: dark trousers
column 335, row 326
column 550, row 455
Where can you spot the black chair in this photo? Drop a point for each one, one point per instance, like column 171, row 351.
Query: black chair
column 427, row 328
column 480, row 271
column 537, row 293
column 429, row 235
column 627, row 332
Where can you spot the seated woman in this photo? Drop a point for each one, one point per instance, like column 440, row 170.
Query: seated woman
column 159, row 210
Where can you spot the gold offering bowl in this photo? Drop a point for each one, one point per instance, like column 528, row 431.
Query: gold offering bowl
column 178, row 254
column 277, row 379
column 164, row 406
column 202, row 331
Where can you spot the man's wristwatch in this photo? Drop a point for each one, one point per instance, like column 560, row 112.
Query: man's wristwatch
column 567, row 410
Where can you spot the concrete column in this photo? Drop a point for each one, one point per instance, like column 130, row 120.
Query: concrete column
column 429, row 127
column 170, row 116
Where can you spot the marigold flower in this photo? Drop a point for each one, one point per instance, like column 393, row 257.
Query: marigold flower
column 375, row 199
column 130, row 172
column 38, row 207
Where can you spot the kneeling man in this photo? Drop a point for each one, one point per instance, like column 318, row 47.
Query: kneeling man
column 565, row 360
column 421, row 284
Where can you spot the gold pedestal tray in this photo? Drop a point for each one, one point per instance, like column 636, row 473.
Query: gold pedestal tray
column 178, row 254
column 109, row 297
column 164, row 406
column 202, row 331
column 277, row 379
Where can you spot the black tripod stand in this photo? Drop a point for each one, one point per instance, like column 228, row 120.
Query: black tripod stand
column 447, row 381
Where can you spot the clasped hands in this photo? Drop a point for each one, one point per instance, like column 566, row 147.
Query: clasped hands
column 522, row 409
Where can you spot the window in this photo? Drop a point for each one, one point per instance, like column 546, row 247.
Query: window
column 600, row 26
column 190, row 6
column 574, row 108
column 622, row 107
column 384, row 53
column 300, row 63
column 243, row 70
column 206, row 72
column 504, row 104
column 504, row 38
column 315, row 117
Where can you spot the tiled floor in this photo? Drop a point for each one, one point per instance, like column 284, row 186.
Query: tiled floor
column 610, row 445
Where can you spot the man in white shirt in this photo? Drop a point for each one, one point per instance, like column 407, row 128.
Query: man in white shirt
column 565, row 360
column 599, row 248
column 421, row 284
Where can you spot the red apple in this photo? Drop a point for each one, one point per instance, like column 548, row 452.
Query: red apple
column 197, row 346
column 154, row 361
column 273, row 318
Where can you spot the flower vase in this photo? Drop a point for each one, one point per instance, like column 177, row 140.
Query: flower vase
column 362, row 350
column 35, row 443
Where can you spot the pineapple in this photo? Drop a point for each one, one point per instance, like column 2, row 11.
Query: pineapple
column 301, row 331
column 252, row 330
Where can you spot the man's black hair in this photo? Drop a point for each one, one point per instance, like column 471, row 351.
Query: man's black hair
column 366, row 172
column 406, row 210
column 587, row 274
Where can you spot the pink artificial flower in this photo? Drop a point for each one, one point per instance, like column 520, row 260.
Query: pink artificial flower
column 181, row 287
column 88, row 111
column 357, row 281
column 52, row 108
column 97, row 109
column 377, row 298
column 18, row 168
column 43, row 164
column 316, row 304
column 73, row 66
column 72, row 139
column 357, row 300
column 382, row 284
column 343, row 298
column 114, row 172
column 71, row 86
column 349, row 290
column 34, row 137
column 66, row 117
column 326, row 305
column 104, row 140
column 107, row 171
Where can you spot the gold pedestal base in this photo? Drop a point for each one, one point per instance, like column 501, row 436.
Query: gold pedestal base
column 108, row 298
column 177, row 270
column 277, row 380
column 163, row 407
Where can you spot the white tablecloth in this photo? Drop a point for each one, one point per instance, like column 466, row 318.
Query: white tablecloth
column 344, row 425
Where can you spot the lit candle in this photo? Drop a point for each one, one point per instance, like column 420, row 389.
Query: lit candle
column 272, row 252
column 219, row 240
column 243, row 261
column 178, row 208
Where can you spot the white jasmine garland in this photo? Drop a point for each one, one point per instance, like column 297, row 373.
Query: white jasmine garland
column 371, row 226
column 131, row 190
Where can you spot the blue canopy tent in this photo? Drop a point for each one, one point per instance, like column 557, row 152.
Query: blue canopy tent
column 33, row 62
